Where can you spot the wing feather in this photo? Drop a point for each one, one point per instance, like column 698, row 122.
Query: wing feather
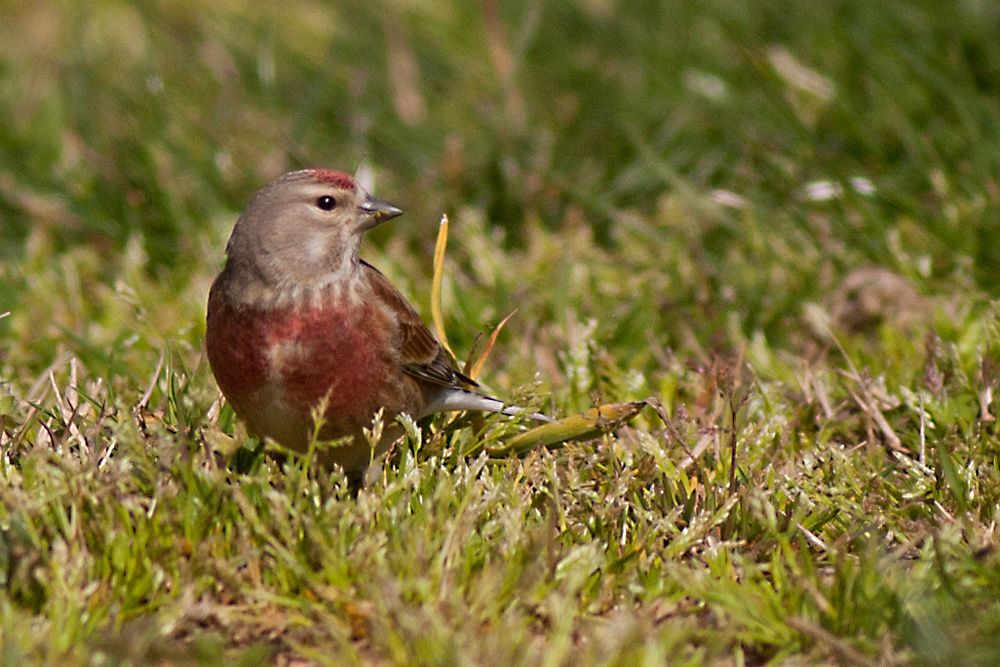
column 421, row 354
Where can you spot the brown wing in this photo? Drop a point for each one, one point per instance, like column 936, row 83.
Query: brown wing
column 422, row 354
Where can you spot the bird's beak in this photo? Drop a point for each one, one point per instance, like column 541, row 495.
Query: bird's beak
column 377, row 212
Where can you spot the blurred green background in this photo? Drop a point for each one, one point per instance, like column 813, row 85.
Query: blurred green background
column 150, row 119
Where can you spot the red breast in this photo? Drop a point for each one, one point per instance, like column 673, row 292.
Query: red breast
column 276, row 365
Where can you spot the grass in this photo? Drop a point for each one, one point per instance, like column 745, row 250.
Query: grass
column 774, row 224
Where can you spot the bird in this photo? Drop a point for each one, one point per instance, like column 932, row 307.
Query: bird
column 299, row 326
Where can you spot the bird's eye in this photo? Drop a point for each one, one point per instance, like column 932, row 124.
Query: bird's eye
column 326, row 202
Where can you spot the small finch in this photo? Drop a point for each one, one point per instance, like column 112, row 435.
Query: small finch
column 297, row 320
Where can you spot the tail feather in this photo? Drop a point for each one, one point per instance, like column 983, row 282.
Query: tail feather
column 454, row 399
column 513, row 411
